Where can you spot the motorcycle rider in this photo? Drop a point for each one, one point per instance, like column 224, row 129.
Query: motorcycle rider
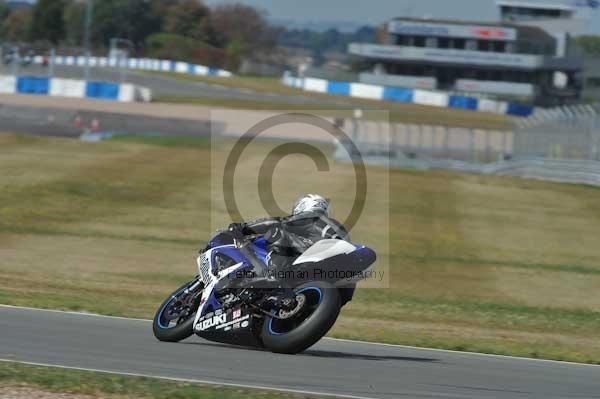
column 288, row 237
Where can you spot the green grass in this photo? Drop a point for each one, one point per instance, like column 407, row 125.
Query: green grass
column 197, row 142
column 256, row 83
column 488, row 264
column 96, row 384
column 398, row 112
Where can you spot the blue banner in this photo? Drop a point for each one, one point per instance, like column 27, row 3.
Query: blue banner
column 339, row 88
column 398, row 94
column 463, row 102
column 32, row 85
column 519, row 109
column 103, row 90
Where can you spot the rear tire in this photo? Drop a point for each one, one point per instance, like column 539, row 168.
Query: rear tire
column 175, row 333
column 312, row 328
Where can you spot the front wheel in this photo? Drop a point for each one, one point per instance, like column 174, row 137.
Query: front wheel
column 318, row 308
column 175, row 317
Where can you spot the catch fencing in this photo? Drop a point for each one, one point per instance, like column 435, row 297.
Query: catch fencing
column 571, row 133
column 561, row 144
column 430, row 142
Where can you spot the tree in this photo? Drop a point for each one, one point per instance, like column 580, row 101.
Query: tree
column 190, row 18
column 331, row 40
column 74, row 18
column 590, row 44
column 244, row 33
column 47, row 21
column 127, row 19
column 16, row 27
column 160, row 8
column 244, row 26
column 4, row 10
column 170, row 46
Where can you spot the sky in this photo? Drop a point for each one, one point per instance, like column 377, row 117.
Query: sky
column 374, row 12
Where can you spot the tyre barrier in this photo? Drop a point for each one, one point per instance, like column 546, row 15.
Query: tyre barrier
column 409, row 96
column 57, row 87
column 144, row 64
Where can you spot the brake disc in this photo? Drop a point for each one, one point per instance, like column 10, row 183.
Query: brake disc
column 286, row 314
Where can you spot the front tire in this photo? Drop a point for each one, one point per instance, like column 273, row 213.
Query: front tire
column 183, row 328
column 294, row 335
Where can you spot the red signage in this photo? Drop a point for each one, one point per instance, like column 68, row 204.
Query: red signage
column 490, row 33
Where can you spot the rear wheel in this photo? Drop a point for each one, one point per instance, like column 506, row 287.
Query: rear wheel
column 175, row 317
column 294, row 331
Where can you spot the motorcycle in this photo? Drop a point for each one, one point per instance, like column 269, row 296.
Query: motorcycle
column 237, row 299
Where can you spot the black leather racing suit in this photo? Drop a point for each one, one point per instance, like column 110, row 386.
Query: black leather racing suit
column 290, row 236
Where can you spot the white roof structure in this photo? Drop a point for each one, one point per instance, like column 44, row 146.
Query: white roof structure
column 574, row 18
column 536, row 5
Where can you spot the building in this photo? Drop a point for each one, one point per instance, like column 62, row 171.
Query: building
column 526, row 54
column 558, row 19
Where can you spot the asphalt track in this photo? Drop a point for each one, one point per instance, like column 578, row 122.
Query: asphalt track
column 332, row 367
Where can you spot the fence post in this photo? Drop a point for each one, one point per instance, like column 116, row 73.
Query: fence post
column 354, row 130
column 15, row 60
column 488, row 150
column 592, row 144
column 447, row 141
column 472, row 145
column 504, row 144
column 51, row 63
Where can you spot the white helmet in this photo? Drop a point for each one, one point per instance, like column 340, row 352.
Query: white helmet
column 311, row 203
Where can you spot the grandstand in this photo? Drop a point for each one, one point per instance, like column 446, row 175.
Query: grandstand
column 526, row 54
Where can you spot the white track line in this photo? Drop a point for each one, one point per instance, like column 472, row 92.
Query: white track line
column 74, row 313
column 194, row 381
column 558, row 362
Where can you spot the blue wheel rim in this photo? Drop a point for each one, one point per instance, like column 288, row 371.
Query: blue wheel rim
column 317, row 289
column 166, row 306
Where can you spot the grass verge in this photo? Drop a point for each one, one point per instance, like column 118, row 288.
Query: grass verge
column 105, row 385
column 488, row 264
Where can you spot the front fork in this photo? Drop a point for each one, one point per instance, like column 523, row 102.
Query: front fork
column 195, row 285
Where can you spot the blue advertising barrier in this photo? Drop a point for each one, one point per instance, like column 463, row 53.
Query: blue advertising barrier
column 463, row 102
column 398, row 94
column 339, row 88
column 519, row 109
column 58, row 87
column 102, row 90
column 32, row 85
column 405, row 95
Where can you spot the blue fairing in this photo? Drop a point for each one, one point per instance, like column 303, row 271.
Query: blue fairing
column 211, row 304
column 365, row 252
column 231, row 252
column 358, row 260
column 364, row 255
column 260, row 247
column 219, row 240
